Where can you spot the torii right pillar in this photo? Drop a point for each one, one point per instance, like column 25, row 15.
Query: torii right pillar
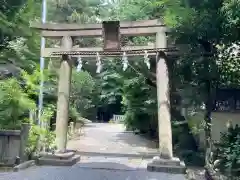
column 165, row 162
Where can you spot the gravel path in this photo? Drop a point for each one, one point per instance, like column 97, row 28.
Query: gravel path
column 111, row 139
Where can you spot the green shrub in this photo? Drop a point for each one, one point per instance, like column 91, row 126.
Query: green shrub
column 227, row 152
column 14, row 104
column 73, row 114
column 82, row 96
column 111, row 121
column 40, row 137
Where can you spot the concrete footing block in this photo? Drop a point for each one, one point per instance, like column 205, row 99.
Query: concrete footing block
column 173, row 166
column 58, row 159
column 24, row 165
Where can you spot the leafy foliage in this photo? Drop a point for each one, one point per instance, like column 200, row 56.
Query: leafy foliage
column 140, row 106
column 41, row 136
column 14, row 104
column 110, row 82
column 82, row 88
column 227, row 152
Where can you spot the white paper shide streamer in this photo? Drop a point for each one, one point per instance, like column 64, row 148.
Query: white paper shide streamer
column 98, row 64
column 79, row 66
column 147, row 59
column 125, row 61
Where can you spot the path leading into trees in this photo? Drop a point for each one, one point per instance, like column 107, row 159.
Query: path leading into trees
column 111, row 140
column 108, row 153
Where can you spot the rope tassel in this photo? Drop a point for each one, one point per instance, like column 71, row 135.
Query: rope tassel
column 125, row 61
column 98, row 64
column 147, row 60
column 79, row 66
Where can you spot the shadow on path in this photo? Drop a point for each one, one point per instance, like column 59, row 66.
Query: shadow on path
column 136, row 140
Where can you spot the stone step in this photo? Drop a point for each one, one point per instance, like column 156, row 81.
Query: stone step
column 172, row 169
column 58, row 162
column 118, row 154
column 66, row 155
column 169, row 162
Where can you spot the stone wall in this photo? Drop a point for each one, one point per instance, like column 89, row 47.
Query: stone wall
column 13, row 144
column 219, row 122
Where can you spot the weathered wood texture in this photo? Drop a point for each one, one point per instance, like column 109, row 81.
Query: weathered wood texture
column 111, row 35
column 47, row 52
column 135, row 28
column 141, row 31
column 113, row 30
column 12, row 145
column 75, row 27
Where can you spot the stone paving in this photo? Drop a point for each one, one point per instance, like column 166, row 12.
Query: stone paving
column 79, row 173
column 100, row 138
column 111, row 139
column 93, row 168
column 115, row 163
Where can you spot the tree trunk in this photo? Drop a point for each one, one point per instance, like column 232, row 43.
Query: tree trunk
column 208, row 120
column 208, row 48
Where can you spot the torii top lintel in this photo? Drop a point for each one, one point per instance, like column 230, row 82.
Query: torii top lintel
column 111, row 31
column 131, row 28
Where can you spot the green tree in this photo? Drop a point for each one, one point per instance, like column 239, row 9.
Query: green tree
column 82, row 94
column 14, row 105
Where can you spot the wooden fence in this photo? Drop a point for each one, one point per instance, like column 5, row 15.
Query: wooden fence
column 118, row 118
column 13, row 144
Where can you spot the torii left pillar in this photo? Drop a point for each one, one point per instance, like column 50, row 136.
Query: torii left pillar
column 62, row 157
column 64, row 85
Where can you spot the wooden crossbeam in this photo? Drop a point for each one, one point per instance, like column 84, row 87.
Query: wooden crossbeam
column 112, row 53
column 92, row 52
column 133, row 28
column 150, row 54
column 143, row 31
column 47, row 52
column 76, row 27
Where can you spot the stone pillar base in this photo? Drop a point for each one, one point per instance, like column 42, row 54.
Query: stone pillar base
column 173, row 166
column 58, row 159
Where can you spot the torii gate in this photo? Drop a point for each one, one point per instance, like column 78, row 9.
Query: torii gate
column 111, row 33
